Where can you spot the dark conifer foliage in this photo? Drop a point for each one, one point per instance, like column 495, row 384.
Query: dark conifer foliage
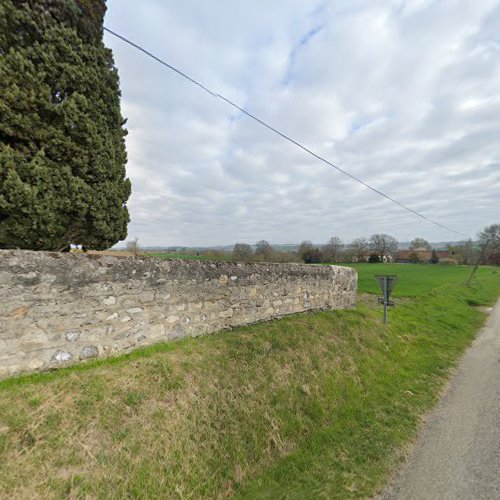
column 62, row 148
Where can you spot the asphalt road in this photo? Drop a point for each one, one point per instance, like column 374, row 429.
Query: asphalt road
column 457, row 455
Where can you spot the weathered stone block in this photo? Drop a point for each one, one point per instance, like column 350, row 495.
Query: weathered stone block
column 62, row 356
column 72, row 336
column 135, row 310
column 146, row 297
column 89, row 351
column 195, row 306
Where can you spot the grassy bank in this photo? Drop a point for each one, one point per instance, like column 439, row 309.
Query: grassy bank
column 311, row 406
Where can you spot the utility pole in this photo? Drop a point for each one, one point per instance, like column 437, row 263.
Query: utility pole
column 480, row 258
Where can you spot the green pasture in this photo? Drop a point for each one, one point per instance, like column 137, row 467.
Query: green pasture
column 414, row 279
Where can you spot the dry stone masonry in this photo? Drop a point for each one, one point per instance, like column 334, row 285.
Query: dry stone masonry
column 58, row 309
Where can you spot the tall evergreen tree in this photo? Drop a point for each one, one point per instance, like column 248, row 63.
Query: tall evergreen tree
column 62, row 147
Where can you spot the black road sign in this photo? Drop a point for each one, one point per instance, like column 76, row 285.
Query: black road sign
column 392, row 279
column 386, row 283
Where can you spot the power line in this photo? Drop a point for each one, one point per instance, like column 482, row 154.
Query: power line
column 276, row 131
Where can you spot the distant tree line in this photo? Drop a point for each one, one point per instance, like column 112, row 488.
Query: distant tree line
column 378, row 247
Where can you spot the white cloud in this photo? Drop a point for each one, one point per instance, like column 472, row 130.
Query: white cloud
column 402, row 94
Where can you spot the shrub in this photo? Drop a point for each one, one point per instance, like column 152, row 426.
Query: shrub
column 415, row 258
column 434, row 257
column 448, row 262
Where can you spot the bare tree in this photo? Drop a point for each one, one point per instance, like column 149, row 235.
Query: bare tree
column 133, row 246
column 491, row 236
column 333, row 249
column 305, row 248
column 383, row 245
column 309, row 254
column 489, row 240
column 359, row 248
column 466, row 252
column 264, row 250
column 434, row 257
column 419, row 243
column 242, row 252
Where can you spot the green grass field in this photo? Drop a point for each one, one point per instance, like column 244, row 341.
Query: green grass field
column 414, row 279
column 319, row 405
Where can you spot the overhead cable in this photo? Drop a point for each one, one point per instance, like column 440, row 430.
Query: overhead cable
column 276, row 131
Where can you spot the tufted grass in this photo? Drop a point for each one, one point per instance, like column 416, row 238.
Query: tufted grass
column 311, row 406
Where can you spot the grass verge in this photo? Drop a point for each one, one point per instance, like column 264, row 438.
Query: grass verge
column 311, row 406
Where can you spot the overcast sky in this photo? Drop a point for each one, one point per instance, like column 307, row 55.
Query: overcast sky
column 403, row 94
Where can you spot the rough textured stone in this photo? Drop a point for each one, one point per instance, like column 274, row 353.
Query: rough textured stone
column 149, row 296
column 72, row 336
column 61, row 356
column 58, row 308
column 89, row 351
column 134, row 310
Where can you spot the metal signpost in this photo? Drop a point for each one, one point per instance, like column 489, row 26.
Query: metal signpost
column 386, row 283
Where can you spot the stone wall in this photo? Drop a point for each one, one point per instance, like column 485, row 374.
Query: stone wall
column 58, row 309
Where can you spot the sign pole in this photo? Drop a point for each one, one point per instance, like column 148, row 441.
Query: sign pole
column 386, row 298
column 386, row 284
